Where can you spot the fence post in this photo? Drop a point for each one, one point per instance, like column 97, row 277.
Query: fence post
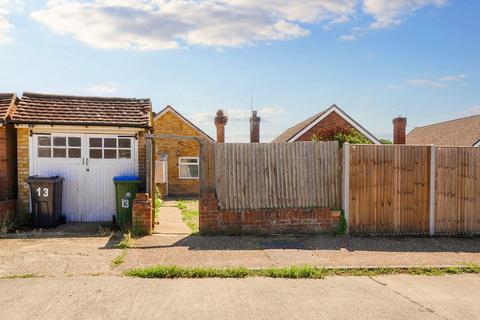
column 432, row 191
column 346, row 182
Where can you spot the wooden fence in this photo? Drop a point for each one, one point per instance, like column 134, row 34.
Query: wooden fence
column 275, row 175
column 412, row 189
column 457, row 192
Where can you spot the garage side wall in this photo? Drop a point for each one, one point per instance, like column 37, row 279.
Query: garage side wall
column 23, row 207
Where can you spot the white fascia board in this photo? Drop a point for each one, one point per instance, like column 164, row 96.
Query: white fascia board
column 345, row 117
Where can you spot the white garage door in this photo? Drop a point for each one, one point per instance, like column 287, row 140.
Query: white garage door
column 88, row 163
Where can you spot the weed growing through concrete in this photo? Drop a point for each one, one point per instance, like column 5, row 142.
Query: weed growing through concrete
column 22, row 276
column 190, row 214
column 301, row 272
column 119, row 259
column 125, row 243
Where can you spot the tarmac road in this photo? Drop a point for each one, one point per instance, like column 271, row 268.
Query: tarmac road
column 113, row 297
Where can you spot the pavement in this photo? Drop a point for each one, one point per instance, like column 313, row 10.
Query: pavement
column 170, row 220
column 386, row 297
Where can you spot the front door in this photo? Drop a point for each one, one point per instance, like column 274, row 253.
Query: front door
column 88, row 163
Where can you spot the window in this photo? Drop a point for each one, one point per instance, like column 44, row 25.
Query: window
column 188, row 167
column 62, row 147
column 110, row 148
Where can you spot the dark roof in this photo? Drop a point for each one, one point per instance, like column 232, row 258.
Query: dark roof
column 458, row 132
column 293, row 131
column 8, row 102
column 170, row 108
column 36, row 108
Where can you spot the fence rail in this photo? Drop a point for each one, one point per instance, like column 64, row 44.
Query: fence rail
column 283, row 175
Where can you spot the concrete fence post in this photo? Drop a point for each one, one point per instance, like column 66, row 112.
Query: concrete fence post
column 432, row 191
column 346, row 182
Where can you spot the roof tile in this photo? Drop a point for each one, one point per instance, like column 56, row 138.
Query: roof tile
column 458, row 132
column 36, row 108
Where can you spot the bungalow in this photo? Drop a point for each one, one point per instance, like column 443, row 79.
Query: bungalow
column 8, row 157
column 177, row 161
column 459, row 132
column 86, row 140
column 323, row 126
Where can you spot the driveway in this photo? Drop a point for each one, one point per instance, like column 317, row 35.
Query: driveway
column 391, row 297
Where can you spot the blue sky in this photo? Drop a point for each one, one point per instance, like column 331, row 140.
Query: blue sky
column 374, row 58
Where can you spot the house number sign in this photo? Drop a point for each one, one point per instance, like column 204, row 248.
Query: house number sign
column 42, row 192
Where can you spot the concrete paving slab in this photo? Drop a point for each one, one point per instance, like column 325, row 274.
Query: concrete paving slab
column 253, row 298
column 170, row 221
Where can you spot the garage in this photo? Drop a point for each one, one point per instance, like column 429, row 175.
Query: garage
column 86, row 140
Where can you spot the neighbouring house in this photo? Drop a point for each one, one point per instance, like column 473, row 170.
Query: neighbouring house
column 8, row 157
column 323, row 126
column 457, row 132
column 86, row 140
column 177, row 161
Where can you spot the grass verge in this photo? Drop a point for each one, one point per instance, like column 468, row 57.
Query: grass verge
column 190, row 214
column 303, row 272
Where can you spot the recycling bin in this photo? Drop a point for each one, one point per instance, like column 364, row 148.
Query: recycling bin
column 46, row 196
column 126, row 188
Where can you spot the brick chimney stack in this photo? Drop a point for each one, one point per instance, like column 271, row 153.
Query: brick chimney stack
column 399, row 130
column 254, row 128
column 220, row 122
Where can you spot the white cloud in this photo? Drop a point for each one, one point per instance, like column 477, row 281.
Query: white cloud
column 104, row 88
column 472, row 111
column 441, row 82
column 7, row 7
column 427, row 83
column 348, row 37
column 457, row 77
column 167, row 24
column 388, row 13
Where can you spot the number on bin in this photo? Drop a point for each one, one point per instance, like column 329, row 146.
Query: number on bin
column 42, row 191
column 125, row 203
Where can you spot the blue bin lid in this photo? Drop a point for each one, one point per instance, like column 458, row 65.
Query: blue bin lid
column 126, row 178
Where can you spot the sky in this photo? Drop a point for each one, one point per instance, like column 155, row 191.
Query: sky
column 376, row 59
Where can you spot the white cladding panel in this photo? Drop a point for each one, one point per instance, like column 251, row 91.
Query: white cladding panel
column 88, row 188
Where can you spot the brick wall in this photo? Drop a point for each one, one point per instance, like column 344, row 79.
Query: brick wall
column 7, row 211
column 8, row 162
column 142, row 214
column 23, row 205
column 170, row 123
column 326, row 129
column 265, row 221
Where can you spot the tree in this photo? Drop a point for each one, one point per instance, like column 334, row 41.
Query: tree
column 351, row 136
column 385, row 141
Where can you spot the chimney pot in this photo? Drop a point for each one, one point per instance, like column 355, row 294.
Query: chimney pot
column 220, row 122
column 254, row 127
column 399, row 130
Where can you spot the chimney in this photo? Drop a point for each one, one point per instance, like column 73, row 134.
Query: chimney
column 254, row 128
column 399, row 130
column 220, row 122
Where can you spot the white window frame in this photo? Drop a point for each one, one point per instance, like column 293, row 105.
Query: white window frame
column 180, row 164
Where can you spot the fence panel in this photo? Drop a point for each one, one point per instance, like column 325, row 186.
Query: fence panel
column 389, row 189
column 277, row 175
column 457, row 193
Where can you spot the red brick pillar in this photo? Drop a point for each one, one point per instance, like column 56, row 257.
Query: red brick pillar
column 254, row 128
column 220, row 122
column 209, row 215
column 142, row 214
column 399, row 130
